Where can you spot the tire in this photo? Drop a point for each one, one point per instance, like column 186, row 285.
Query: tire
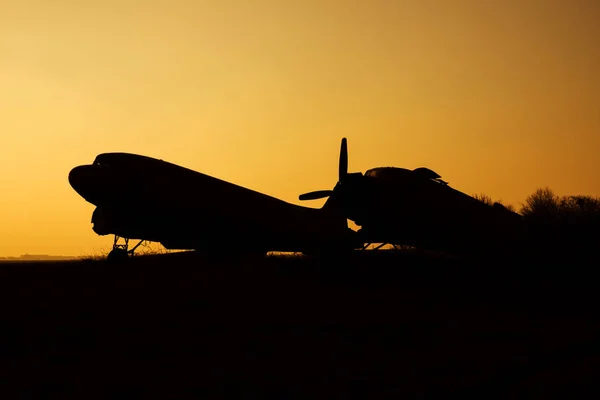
column 117, row 256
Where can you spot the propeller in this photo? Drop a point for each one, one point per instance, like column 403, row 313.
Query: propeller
column 343, row 168
column 317, row 194
column 342, row 175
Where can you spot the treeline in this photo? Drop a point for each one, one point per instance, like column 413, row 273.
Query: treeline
column 560, row 222
column 544, row 204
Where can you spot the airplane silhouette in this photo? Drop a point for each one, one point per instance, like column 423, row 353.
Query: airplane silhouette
column 139, row 197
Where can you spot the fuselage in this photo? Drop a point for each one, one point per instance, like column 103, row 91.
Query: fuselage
column 146, row 198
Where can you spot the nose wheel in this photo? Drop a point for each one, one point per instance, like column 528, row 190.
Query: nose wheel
column 120, row 250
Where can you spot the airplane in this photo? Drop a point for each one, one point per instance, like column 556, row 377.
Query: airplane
column 139, row 197
column 399, row 206
column 148, row 199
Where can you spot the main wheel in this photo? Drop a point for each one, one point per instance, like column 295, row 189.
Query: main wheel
column 117, row 255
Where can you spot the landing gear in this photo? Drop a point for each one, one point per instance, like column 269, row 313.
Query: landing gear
column 380, row 245
column 395, row 247
column 121, row 251
column 117, row 255
column 365, row 247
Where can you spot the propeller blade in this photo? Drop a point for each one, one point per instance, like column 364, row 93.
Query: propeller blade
column 319, row 194
column 343, row 173
column 343, row 169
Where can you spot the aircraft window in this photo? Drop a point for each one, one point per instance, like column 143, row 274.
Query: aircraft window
column 387, row 173
column 101, row 161
column 373, row 174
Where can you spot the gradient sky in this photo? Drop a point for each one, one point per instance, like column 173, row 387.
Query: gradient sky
column 498, row 97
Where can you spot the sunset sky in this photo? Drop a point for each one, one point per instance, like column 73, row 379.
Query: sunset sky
column 498, row 97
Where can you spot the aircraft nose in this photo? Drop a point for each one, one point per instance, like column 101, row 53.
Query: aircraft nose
column 77, row 177
column 97, row 184
column 86, row 180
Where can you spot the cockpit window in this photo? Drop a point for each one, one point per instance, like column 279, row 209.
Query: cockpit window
column 98, row 162
column 126, row 160
column 108, row 159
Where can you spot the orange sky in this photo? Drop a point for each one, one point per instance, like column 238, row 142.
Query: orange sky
column 499, row 97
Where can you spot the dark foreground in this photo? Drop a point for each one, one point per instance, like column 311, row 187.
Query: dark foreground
column 378, row 325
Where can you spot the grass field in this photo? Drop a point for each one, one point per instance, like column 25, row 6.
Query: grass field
column 381, row 324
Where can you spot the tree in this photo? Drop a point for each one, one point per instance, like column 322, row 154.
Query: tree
column 543, row 203
column 484, row 198
column 487, row 200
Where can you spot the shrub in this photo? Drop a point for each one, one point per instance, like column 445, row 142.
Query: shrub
column 484, row 198
column 567, row 223
column 543, row 203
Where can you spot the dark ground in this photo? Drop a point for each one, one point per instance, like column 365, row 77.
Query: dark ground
column 397, row 325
